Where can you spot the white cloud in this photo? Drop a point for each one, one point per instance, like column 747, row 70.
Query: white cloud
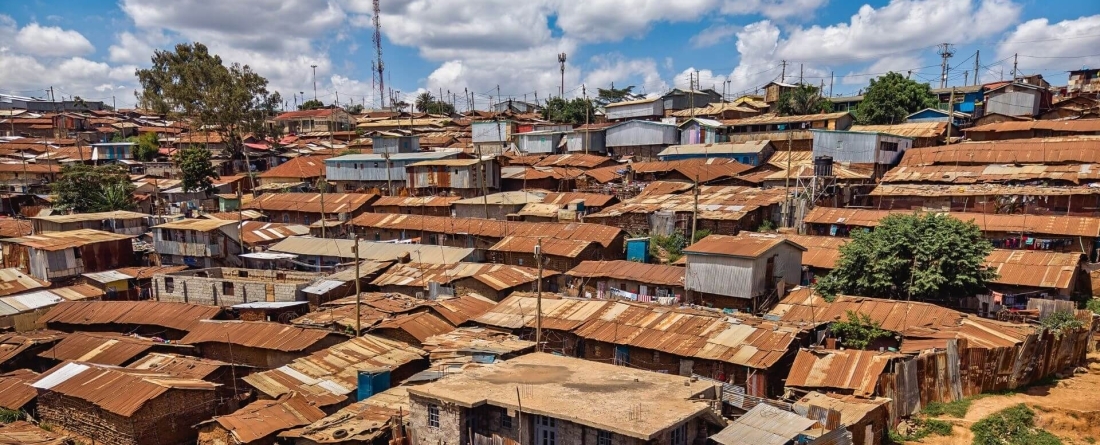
column 902, row 64
column 714, row 35
column 773, row 9
column 52, row 41
column 612, row 68
column 614, row 20
column 1054, row 45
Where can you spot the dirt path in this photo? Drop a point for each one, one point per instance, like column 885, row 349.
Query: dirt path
column 1070, row 409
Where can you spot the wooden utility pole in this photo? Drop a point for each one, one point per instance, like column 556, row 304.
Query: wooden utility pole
column 538, row 298
column 787, row 186
column 694, row 211
column 587, row 109
column 321, row 187
column 977, row 55
column 950, row 115
column 358, row 299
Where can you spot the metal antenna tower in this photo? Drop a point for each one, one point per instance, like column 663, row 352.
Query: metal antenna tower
column 945, row 52
column 378, row 49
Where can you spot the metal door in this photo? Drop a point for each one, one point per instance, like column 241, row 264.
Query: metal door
column 622, row 355
column 546, row 430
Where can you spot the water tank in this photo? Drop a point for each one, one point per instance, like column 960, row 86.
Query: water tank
column 823, row 166
column 637, row 249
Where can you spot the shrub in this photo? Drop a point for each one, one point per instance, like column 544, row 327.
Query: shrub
column 956, row 409
column 859, row 331
column 1012, row 426
column 1060, row 322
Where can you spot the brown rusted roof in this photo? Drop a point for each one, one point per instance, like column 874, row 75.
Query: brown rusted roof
column 13, row 281
column 196, row 224
column 604, row 175
column 255, row 334
column 257, row 232
column 264, row 418
column 100, row 385
column 772, row 119
column 53, row 241
column 1074, row 125
column 1016, row 151
column 14, row 228
column 579, row 160
column 302, row 167
column 706, row 335
column 1034, row 268
column 703, row 169
column 987, row 222
column 376, row 307
column 15, row 389
column 360, row 422
column 143, row 273
column 178, row 316
column 590, row 199
column 12, row 344
column 416, row 201
column 939, row 190
column 715, row 203
column 419, row 325
column 178, row 365
column 24, row 433
column 329, row 375
column 462, row 309
column 665, row 188
column 977, row 174
column 550, row 246
column 747, row 245
column 490, row 228
column 907, row 129
column 558, row 313
column 106, row 348
column 311, row 202
column 839, row 369
column 821, row 251
column 629, row 270
column 473, row 339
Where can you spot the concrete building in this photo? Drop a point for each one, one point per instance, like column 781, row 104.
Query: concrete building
column 196, row 242
column 562, row 400
column 225, row 286
column 742, row 272
column 319, row 120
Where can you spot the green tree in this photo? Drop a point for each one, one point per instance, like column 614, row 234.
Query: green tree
column 611, row 95
column 146, row 146
column 192, row 82
column 312, row 104
column 805, row 99
column 83, row 188
column 859, row 331
column 426, row 103
column 355, row 109
column 568, row 111
column 196, row 171
column 910, row 256
column 892, row 97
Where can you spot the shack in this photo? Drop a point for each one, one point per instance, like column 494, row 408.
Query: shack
column 742, row 272
column 60, row 255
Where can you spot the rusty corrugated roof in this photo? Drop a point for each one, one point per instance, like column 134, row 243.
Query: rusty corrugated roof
column 13, row 281
column 264, row 418
column 12, row 344
column 1015, row 151
column 143, row 273
column 255, row 334
column 906, row 129
column 23, row 433
column 579, row 160
column 311, row 202
column 104, row 348
column 1034, row 268
column 497, row 276
column 256, row 232
column 940, row 190
column 715, row 203
column 468, row 340
column 196, row 224
column 53, row 241
column 178, row 316
column 750, row 341
column 1074, row 125
column 490, row 228
column 630, row 270
column 329, row 375
column 590, row 199
column 977, row 174
column 100, row 385
column 748, row 245
column 15, row 389
column 415, row 201
column 302, row 167
column 839, row 369
column 564, row 314
column 178, row 365
column 987, row 222
column 821, row 251
column 419, row 325
column 550, row 246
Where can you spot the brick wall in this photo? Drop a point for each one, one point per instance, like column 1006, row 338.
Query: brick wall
column 167, row 419
column 451, row 429
column 221, row 289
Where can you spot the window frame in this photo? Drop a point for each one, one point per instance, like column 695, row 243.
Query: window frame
column 433, row 415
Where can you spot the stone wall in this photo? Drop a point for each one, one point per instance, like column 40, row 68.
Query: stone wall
column 451, row 429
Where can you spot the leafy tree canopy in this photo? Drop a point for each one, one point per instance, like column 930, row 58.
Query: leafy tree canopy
column 146, row 148
column 802, row 100
column 612, row 95
column 568, row 111
column 190, row 81
column 312, row 104
column 426, row 103
column 918, row 257
column 355, row 108
column 859, row 331
column 892, row 97
column 196, row 171
column 83, row 188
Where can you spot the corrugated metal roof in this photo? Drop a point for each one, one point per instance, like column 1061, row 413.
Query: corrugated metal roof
column 53, row 241
column 763, row 425
column 302, row 167
column 503, row 198
column 178, row 316
column 550, row 246
column 907, row 129
column 311, row 202
column 32, row 300
column 715, row 203
column 1015, row 151
column 256, row 232
column 142, row 273
column 1075, row 125
column 329, row 375
column 821, row 251
column 938, row 190
column 12, row 344
column 420, row 325
column 715, row 148
column 987, row 222
column 415, row 201
column 75, row 380
column 665, row 188
column 748, row 245
column 20, row 432
column 839, row 369
column 264, row 418
column 564, row 314
column 98, row 216
column 109, row 276
column 497, row 276
column 772, row 119
column 579, row 160
column 604, row 235
column 105, row 348
column 1034, row 268
column 852, row 409
column 201, row 225
column 255, row 334
column 360, row 422
column 630, row 270
column 15, row 390
column 590, row 199
column 746, row 341
column 370, row 250
column 178, row 365
column 469, row 340
column 705, row 169
column 998, row 173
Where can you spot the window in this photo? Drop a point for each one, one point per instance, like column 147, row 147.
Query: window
column 656, row 357
column 286, row 218
column 242, row 273
column 603, row 437
column 169, row 284
column 505, row 419
column 433, row 416
column 888, row 146
column 76, row 253
column 679, row 435
column 227, row 288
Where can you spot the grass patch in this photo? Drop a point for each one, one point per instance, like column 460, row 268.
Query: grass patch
column 10, row 415
column 1012, row 426
column 956, row 409
column 922, row 428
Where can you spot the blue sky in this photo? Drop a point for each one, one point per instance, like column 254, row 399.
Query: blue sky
column 91, row 48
